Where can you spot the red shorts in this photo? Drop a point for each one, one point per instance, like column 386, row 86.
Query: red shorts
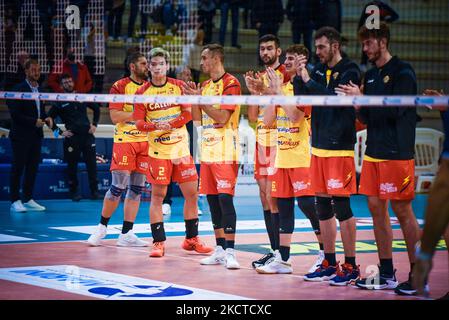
column 291, row 182
column 163, row 171
column 333, row 175
column 392, row 179
column 218, row 178
column 130, row 156
column 264, row 162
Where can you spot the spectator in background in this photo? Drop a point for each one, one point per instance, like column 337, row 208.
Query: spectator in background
column 79, row 138
column 13, row 79
column 90, row 58
column 303, row 15
column 386, row 13
column 116, row 9
column 268, row 16
column 77, row 70
column 173, row 14
column 225, row 6
column 331, row 14
column 27, row 119
column 132, row 20
column 206, row 13
column 247, row 15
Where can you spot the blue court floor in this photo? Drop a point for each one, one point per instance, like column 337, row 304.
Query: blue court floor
column 65, row 220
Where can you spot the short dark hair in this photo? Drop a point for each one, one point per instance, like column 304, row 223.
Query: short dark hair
column 298, row 49
column 134, row 57
column 330, row 33
column 29, row 62
column 65, row 76
column 270, row 37
column 383, row 32
column 215, row 48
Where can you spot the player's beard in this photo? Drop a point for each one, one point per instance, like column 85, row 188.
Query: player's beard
column 270, row 61
column 142, row 75
column 375, row 57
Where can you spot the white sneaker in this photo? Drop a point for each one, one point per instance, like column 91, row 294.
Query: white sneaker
column 17, row 206
column 100, row 233
column 231, row 261
column 33, row 206
column 129, row 239
column 166, row 209
column 317, row 263
column 218, row 257
column 276, row 266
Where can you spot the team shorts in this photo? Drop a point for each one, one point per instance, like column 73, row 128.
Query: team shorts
column 163, row 171
column 291, row 182
column 264, row 162
column 218, row 178
column 130, row 156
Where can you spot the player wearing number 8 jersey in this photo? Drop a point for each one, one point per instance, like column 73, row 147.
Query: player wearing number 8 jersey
column 169, row 154
column 129, row 163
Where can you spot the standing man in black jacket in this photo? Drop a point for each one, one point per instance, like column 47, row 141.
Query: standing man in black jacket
column 79, row 138
column 27, row 119
column 332, row 165
column 388, row 170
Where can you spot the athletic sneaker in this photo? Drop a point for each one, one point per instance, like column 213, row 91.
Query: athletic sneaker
column 99, row 233
column 129, row 239
column 274, row 266
column 166, row 209
column 266, row 258
column 17, row 206
column 324, row 272
column 158, row 250
column 346, row 274
column 380, row 281
column 318, row 262
column 196, row 244
column 406, row 288
column 231, row 260
column 33, row 206
column 218, row 257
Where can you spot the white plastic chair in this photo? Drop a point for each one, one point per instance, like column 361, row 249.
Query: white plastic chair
column 359, row 150
column 428, row 147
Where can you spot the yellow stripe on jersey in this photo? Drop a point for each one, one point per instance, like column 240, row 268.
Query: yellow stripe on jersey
column 220, row 143
column 368, row 158
column 293, row 146
column 166, row 144
column 127, row 131
column 332, row 153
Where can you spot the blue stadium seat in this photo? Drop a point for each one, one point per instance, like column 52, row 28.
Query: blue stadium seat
column 52, row 149
column 5, row 150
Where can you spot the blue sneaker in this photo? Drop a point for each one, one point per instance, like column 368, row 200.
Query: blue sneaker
column 324, row 272
column 346, row 274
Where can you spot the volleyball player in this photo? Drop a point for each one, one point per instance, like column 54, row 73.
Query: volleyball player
column 219, row 152
column 169, row 153
column 129, row 163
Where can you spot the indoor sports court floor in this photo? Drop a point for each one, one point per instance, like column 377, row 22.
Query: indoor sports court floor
column 45, row 256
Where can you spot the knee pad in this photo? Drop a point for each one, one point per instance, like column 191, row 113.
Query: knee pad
column 342, row 208
column 136, row 186
column 229, row 217
column 120, row 180
column 215, row 211
column 323, row 207
column 286, row 215
column 307, row 206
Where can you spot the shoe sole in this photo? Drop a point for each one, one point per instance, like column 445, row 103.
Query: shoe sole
column 265, row 272
column 35, row 209
column 212, row 264
column 201, row 252
column 156, row 256
column 322, row 279
column 375, row 287
column 232, row 267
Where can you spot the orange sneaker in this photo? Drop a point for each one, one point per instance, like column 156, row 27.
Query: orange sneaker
column 197, row 245
column 158, row 250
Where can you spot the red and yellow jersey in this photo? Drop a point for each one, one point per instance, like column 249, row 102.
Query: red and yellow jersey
column 220, row 142
column 126, row 131
column 293, row 146
column 165, row 144
column 267, row 135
